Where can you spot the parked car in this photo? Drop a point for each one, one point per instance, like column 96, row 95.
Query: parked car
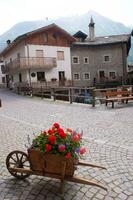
column 84, row 98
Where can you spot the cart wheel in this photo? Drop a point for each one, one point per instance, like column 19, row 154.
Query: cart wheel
column 18, row 159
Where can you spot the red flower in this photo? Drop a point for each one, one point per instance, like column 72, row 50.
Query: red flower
column 52, row 139
column 76, row 138
column 61, row 133
column 79, row 135
column 68, row 155
column 48, row 147
column 82, row 150
column 50, row 132
column 69, row 130
column 56, row 125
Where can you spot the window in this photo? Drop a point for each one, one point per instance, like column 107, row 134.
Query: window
column 11, row 60
column 45, row 37
column 87, row 76
column 86, row 60
column 60, row 55
column 39, row 53
column 106, row 58
column 55, row 36
column 40, row 76
column 3, row 80
column 112, row 74
column 75, row 60
column 18, row 55
column 2, row 67
column 76, row 76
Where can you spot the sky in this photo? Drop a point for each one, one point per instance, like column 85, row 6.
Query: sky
column 15, row 11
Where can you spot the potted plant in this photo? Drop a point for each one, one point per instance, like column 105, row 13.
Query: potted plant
column 52, row 147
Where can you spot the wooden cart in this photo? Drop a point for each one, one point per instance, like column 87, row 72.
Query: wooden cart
column 22, row 165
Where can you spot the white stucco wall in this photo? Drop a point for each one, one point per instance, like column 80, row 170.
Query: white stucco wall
column 1, row 75
column 51, row 51
column 20, row 48
column 16, row 76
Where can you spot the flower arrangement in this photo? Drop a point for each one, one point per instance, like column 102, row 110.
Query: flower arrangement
column 58, row 141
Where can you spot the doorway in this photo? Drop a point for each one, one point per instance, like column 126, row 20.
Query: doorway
column 40, row 76
column 62, row 78
column 101, row 74
column 20, row 78
column 7, row 81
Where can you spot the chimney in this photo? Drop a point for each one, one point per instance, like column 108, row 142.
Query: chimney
column 92, row 30
column 8, row 42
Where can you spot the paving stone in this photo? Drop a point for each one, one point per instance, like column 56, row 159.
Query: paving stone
column 107, row 135
column 122, row 196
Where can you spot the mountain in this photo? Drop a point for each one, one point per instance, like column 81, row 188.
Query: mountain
column 103, row 26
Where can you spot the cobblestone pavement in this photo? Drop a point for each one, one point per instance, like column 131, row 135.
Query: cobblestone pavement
column 108, row 137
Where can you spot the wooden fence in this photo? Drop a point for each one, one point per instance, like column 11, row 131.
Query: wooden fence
column 71, row 94
column 88, row 95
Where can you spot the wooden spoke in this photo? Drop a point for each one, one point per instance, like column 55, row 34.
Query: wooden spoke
column 18, row 160
column 21, row 158
column 17, row 156
column 13, row 159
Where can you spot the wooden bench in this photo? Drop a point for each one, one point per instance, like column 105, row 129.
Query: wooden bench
column 117, row 96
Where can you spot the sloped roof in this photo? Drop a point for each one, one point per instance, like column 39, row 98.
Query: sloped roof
column 80, row 34
column 40, row 30
column 105, row 40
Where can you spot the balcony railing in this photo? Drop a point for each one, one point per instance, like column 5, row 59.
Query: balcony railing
column 30, row 63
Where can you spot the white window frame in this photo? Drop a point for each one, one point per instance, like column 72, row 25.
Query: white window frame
column 87, row 60
column 39, row 53
column 74, row 77
column 111, row 71
column 108, row 60
column 63, row 55
column 77, row 58
column 84, row 76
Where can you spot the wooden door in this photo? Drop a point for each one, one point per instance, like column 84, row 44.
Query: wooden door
column 62, row 78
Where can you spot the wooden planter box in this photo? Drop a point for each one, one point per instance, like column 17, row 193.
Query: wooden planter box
column 21, row 166
column 55, row 164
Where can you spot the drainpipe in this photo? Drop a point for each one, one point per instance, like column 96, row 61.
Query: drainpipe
column 124, row 77
column 28, row 65
column 71, row 64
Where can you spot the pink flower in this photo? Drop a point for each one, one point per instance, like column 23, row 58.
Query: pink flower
column 76, row 138
column 61, row 147
column 82, row 150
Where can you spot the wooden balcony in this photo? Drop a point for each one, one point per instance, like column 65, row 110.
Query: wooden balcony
column 30, row 63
